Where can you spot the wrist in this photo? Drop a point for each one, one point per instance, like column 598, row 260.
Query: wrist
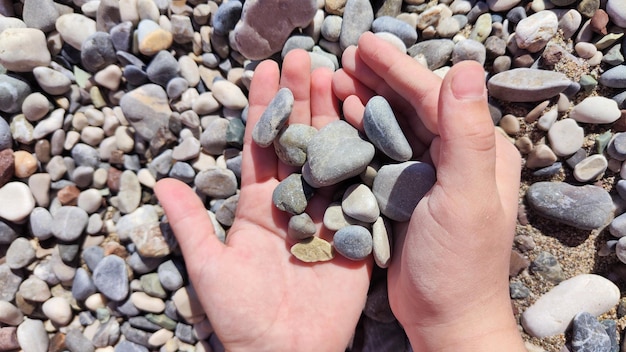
column 484, row 328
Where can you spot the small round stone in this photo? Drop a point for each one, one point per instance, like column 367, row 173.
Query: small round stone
column 301, row 227
column 353, row 242
column 58, row 310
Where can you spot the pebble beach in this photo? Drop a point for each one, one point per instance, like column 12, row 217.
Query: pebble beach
column 99, row 99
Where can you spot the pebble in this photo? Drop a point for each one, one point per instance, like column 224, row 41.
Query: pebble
column 382, row 129
column 358, row 17
column 527, row 85
column 110, row 278
column 34, row 289
column 216, row 182
column 40, row 222
column 399, row 28
column 552, row 313
column 7, row 234
column 213, row 138
column 382, row 242
column 303, row 42
column 127, row 346
column 616, row 9
column 301, row 227
column 170, row 275
column 588, row 334
column 75, row 28
column 69, row 222
column 32, row 335
column 313, row 249
column 584, row 207
column 6, row 141
column 323, row 168
column 146, row 303
column 9, row 283
column 399, row 187
column 360, row 203
column 20, row 253
column 273, row 118
column 147, row 100
column 23, row 49
column 596, row 110
column 13, row 92
column 614, row 77
column 591, row 168
column 58, row 310
column 187, row 304
column 22, row 201
column 97, row 52
column 129, row 195
column 151, row 38
column 547, row 266
column 437, row 52
column 10, row 314
column 566, row 137
column 469, row 50
column 25, row 164
column 83, row 286
column 292, row 194
column 353, row 242
column 291, row 143
column 331, row 28
column 76, row 341
column 163, row 68
column 41, row 15
column 533, row 32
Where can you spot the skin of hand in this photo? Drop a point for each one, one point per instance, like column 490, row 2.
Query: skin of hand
column 448, row 279
column 257, row 296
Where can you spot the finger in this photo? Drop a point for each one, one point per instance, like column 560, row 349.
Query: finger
column 324, row 104
column 258, row 163
column 467, row 150
column 353, row 110
column 188, row 218
column 296, row 75
column 414, row 82
column 344, row 85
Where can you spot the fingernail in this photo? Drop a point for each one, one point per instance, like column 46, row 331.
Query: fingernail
column 468, row 83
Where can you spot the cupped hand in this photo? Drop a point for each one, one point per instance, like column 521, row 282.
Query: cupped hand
column 448, row 279
column 256, row 295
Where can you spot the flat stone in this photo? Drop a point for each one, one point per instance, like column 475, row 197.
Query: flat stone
column 82, row 286
column 436, row 52
column 616, row 9
column 10, row 314
column 171, row 275
column 32, row 335
column 76, row 341
column 353, row 242
column 111, row 279
column 336, row 153
column 547, row 266
column 360, row 203
column 358, row 16
column 216, row 182
column 226, row 17
column 273, row 118
column 163, row 68
column 382, row 129
column 614, row 77
column 588, row 334
column 584, row 207
column 591, row 168
column 213, row 138
column 399, row 28
column 596, row 110
column 265, row 25
column 527, row 84
column 291, row 143
column 187, row 304
column 34, row 289
column 313, row 249
column 382, row 242
column 23, row 49
column 292, row 194
column 41, row 15
column 20, row 253
column 51, row 81
column 399, row 187
column 9, row 283
column 129, row 195
column 75, row 28
column 553, row 312
column 13, row 92
column 69, row 222
column 146, row 303
column 469, row 50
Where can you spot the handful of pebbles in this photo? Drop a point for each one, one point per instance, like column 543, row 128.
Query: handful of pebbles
column 381, row 183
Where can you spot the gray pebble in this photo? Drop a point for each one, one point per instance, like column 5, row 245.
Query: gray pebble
column 76, row 341
column 588, row 335
column 32, row 335
column 148, row 100
column 437, row 52
column 40, row 14
column 85, row 155
column 92, row 256
column 40, row 222
column 107, row 334
column 517, row 290
column 353, row 242
column 527, row 84
column 6, row 141
column 273, row 118
column 399, row 28
column 585, row 207
column 121, row 36
column 143, row 323
column 292, row 142
column 163, row 68
column 97, row 52
column 399, row 187
column 216, row 182
column 337, row 152
column 7, row 234
column 129, row 195
column 9, row 283
column 135, row 75
column 303, row 42
column 171, row 275
column 331, row 28
column 125, row 308
column 226, row 17
column 82, row 286
column 162, row 164
column 20, row 253
column 127, row 346
column 111, row 278
column 182, row 171
column 135, row 335
column 547, row 266
column 176, row 86
column 69, row 222
column 185, row 333
column 382, row 129
column 614, row 77
column 358, row 16
column 292, row 194
column 225, row 213
column 13, row 92
column 68, row 252
column 213, row 138
column 301, row 227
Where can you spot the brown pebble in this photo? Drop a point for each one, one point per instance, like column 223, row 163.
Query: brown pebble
column 42, row 150
column 534, row 114
column 525, row 60
column 113, row 179
column 620, row 124
column 57, row 343
column 524, row 145
column 599, row 21
column 8, row 339
column 522, row 215
column 27, row 307
column 25, row 164
column 524, row 243
column 7, row 166
column 518, row 263
column 115, row 248
column 313, row 250
column 68, row 195
column 117, row 157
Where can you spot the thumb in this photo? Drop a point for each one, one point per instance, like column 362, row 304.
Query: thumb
column 189, row 220
column 465, row 153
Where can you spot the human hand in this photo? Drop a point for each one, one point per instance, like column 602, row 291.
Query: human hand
column 448, row 279
column 257, row 296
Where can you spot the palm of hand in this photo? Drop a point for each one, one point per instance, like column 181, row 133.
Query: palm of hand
column 256, row 295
